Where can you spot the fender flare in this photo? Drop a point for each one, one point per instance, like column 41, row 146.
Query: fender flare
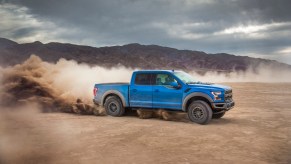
column 200, row 94
column 113, row 92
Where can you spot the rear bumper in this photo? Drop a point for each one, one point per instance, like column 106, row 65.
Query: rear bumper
column 223, row 106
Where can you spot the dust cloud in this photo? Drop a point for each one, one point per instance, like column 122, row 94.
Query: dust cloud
column 16, row 143
column 262, row 74
column 65, row 86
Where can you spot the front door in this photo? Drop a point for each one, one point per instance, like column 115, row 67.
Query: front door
column 165, row 96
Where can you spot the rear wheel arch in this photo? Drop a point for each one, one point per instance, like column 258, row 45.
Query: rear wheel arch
column 113, row 93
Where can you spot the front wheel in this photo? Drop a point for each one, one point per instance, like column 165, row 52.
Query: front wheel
column 114, row 107
column 199, row 112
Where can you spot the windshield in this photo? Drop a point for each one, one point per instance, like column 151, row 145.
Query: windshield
column 185, row 77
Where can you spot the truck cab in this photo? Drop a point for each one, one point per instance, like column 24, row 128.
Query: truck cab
column 166, row 89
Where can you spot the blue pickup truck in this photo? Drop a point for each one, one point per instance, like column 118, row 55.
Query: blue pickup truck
column 166, row 89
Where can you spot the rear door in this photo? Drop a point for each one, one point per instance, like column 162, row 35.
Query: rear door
column 165, row 96
column 141, row 91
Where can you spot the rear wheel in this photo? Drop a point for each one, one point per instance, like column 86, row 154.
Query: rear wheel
column 113, row 106
column 218, row 115
column 199, row 112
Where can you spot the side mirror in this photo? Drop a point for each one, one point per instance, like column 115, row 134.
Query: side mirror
column 175, row 85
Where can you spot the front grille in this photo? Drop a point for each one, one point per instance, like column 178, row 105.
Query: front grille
column 228, row 95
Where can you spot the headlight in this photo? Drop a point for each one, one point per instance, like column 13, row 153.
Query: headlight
column 216, row 95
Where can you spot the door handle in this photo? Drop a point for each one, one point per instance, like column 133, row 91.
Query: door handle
column 156, row 90
column 134, row 90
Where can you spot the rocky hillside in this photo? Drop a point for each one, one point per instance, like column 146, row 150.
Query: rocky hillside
column 131, row 55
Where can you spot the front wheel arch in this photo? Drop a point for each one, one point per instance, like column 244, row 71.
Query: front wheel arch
column 197, row 98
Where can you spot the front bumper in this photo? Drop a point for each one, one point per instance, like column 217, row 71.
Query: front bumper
column 223, row 106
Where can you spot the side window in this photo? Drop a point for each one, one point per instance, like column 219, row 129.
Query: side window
column 164, row 79
column 143, row 79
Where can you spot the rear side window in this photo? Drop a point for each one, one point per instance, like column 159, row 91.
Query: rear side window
column 143, row 79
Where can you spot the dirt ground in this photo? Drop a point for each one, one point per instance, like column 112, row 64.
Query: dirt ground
column 257, row 130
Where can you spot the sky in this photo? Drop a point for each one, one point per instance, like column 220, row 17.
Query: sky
column 256, row 28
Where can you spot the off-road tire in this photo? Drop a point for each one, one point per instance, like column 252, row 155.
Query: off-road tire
column 218, row 115
column 113, row 106
column 199, row 112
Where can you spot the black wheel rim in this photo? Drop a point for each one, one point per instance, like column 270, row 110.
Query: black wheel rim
column 112, row 107
column 198, row 113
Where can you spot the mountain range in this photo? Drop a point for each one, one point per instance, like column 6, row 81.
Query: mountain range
column 131, row 56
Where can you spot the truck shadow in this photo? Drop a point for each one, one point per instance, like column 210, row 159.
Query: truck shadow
column 159, row 114
column 221, row 121
column 166, row 115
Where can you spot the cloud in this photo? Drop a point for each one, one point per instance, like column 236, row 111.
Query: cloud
column 260, row 29
column 286, row 50
column 237, row 27
column 19, row 24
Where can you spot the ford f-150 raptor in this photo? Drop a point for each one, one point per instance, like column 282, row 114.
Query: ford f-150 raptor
column 166, row 89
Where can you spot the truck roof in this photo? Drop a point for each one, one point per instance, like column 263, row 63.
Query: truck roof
column 150, row 71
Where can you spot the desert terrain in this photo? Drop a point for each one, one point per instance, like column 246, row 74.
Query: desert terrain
column 257, row 130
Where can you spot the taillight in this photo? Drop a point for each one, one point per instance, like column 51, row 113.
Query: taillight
column 95, row 91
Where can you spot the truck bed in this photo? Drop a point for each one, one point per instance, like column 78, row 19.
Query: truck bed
column 121, row 87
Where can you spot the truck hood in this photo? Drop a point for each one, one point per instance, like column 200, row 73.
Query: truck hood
column 209, row 86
